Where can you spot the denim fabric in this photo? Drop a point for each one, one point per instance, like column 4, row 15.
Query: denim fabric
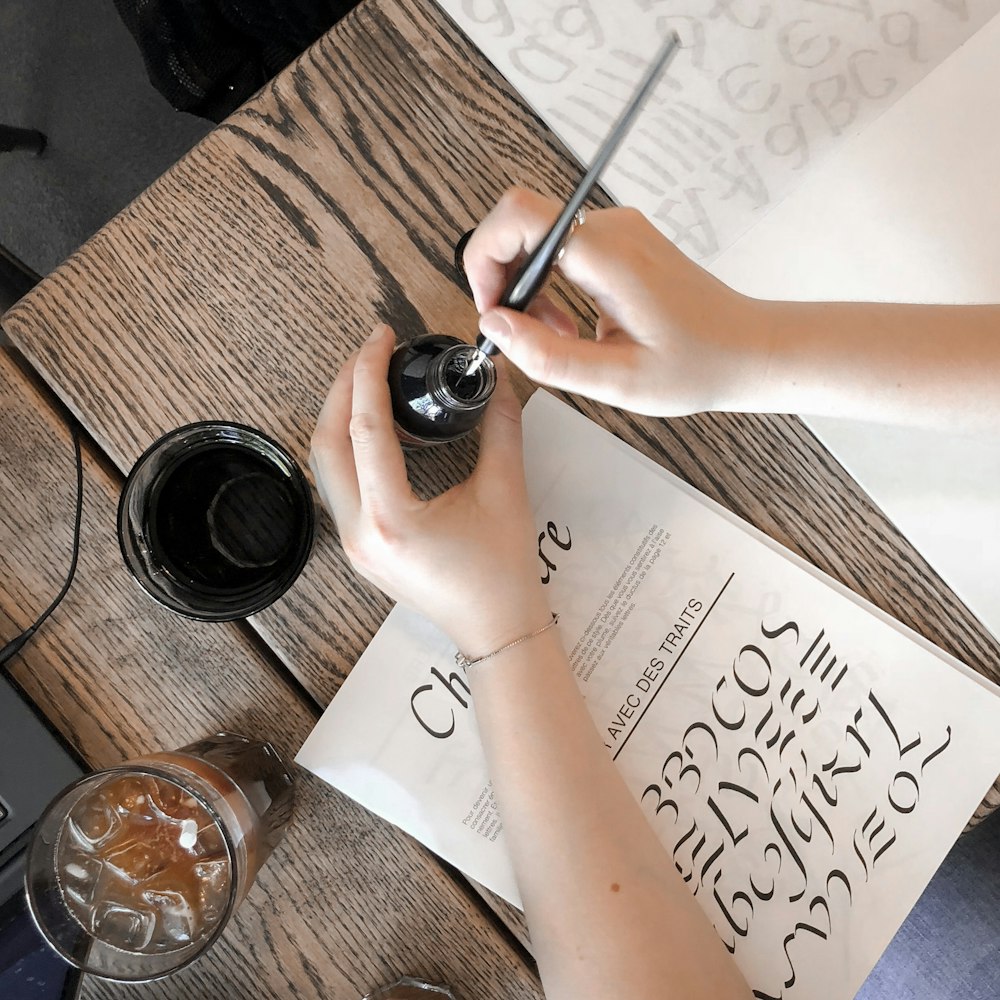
column 949, row 946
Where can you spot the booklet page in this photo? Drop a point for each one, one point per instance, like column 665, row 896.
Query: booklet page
column 806, row 762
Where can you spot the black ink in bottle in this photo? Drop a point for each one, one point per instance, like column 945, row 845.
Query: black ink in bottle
column 433, row 399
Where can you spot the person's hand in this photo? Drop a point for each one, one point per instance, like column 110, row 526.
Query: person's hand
column 670, row 338
column 465, row 559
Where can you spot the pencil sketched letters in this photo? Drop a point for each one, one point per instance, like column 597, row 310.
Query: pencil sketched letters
column 776, row 781
column 761, row 90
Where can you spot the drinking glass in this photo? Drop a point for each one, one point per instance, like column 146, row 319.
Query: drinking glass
column 216, row 521
column 134, row 871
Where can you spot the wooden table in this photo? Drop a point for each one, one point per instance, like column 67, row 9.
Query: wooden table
column 235, row 288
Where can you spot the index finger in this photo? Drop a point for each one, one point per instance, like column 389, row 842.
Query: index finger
column 515, row 225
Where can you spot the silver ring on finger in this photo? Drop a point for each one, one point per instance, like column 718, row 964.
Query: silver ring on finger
column 579, row 218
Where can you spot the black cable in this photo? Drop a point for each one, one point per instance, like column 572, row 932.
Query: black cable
column 14, row 646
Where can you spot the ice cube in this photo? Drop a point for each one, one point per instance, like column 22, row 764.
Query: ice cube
column 130, row 795
column 123, row 926
column 81, row 876
column 213, row 889
column 164, row 797
column 213, row 871
column 91, row 824
column 136, row 858
column 210, row 841
column 174, row 912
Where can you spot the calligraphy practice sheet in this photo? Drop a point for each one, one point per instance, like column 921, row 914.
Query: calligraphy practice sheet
column 761, row 91
column 806, row 761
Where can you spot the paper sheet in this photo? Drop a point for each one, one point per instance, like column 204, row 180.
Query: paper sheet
column 762, row 91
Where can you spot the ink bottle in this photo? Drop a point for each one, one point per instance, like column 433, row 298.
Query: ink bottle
column 433, row 400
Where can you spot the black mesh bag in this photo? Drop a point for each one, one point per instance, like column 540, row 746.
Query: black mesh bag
column 208, row 56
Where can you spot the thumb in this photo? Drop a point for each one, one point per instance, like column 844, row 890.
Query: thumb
column 601, row 370
column 500, row 447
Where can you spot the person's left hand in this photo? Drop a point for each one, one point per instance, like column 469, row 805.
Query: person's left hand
column 465, row 559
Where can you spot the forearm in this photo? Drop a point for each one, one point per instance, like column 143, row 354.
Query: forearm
column 890, row 363
column 607, row 911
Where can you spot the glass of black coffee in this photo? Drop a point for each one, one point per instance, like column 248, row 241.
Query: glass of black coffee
column 216, row 521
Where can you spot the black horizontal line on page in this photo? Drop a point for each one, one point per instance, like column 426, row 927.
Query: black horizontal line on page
column 666, row 676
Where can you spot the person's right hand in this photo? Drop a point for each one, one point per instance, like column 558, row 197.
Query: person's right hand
column 670, row 338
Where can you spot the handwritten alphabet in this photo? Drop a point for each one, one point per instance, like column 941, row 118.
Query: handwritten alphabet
column 785, row 80
column 769, row 783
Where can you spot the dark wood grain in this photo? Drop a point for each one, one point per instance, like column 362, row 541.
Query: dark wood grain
column 346, row 902
column 239, row 283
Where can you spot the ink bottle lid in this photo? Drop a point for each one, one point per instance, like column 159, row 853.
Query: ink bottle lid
column 460, row 246
column 433, row 400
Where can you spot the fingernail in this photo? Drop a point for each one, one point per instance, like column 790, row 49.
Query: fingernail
column 377, row 336
column 495, row 326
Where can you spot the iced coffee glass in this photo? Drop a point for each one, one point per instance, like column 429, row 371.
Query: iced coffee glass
column 135, row 871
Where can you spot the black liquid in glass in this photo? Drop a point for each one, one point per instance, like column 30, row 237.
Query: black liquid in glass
column 224, row 519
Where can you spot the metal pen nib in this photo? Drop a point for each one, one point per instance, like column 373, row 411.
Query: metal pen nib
column 474, row 363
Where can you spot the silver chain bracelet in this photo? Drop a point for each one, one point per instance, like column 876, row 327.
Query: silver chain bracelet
column 464, row 662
